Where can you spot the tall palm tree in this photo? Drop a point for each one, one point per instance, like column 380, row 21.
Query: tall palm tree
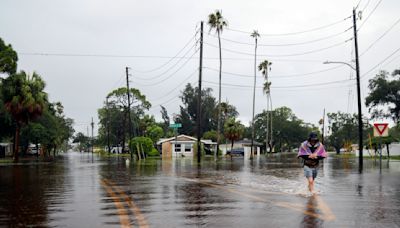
column 217, row 22
column 264, row 67
column 255, row 35
column 24, row 99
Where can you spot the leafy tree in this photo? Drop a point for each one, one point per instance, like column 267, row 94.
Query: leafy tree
column 24, row 99
column 119, row 98
column 82, row 140
column 217, row 22
column 210, row 135
column 384, row 92
column 142, row 146
column 344, row 129
column 8, row 58
column 290, row 131
column 233, row 130
column 166, row 120
column 154, row 132
column 188, row 112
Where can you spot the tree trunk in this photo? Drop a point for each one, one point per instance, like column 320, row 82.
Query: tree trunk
column 16, row 145
column 138, row 152
column 219, row 95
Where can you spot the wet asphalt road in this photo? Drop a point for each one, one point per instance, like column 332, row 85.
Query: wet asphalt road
column 83, row 190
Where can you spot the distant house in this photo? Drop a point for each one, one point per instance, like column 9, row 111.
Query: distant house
column 6, row 149
column 245, row 144
column 181, row 146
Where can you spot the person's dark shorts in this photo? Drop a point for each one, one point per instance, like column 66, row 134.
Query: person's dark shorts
column 310, row 172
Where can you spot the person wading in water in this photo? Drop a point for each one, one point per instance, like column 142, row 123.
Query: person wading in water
column 311, row 151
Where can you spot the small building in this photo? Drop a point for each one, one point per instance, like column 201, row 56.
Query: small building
column 181, row 146
column 6, row 149
column 245, row 144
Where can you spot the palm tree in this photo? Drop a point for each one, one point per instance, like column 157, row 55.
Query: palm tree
column 233, row 130
column 24, row 99
column 264, row 67
column 217, row 22
column 255, row 35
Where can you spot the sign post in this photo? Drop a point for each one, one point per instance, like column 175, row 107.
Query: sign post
column 381, row 130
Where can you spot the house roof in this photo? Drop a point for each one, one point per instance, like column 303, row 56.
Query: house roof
column 184, row 138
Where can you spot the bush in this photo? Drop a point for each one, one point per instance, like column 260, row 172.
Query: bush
column 154, row 153
column 143, row 143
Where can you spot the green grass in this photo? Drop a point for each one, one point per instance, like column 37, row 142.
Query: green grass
column 6, row 160
column 397, row 157
column 344, row 155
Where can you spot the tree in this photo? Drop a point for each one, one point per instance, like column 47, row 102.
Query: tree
column 233, row 130
column 139, row 104
column 188, row 112
column 24, row 99
column 166, row 120
column 82, row 140
column 291, row 130
column 384, row 92
column 344, row 130
column 217, row 22
column 255, row 35
column 154, row 132
column 8, row 58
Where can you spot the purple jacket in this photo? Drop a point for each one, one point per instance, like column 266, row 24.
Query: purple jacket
column 305, row 150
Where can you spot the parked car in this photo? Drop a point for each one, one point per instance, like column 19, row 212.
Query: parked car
column 32, row 150
column 236, row 152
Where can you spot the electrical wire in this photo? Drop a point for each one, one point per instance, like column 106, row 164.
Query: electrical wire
column 294, row 33
column 369, row 15
column 174, row 89
column 172, row 74
column 166, row 71
column 377, row 65
column 172, row 58
column 283, row 55
column 384, row 34
column 278, row 76
column 282, row 45
column 281, row 87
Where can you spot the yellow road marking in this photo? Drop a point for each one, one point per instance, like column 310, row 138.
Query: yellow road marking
column 122, row 212
column 132, row 206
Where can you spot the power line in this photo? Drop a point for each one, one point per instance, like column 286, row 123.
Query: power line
column 280, row 76
column 179, row 85
column 284, row 45
column 386, row 32
column 369, row 15
column 166, row 71
column 170, row 75
column 283, row 55
column 282, row 87
column 373, row 68
column 294, row 33
column 172, row 58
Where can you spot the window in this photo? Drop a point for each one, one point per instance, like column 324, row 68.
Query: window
column 188, row 147
column 177, row 147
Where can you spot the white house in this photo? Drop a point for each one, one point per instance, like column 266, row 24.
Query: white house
column 181, row 146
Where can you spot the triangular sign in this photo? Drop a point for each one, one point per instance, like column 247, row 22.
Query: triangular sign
column 381, row 127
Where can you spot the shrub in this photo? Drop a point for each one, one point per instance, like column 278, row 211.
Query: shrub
column 143, row 143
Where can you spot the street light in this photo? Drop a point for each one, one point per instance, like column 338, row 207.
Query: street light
column 360, row 123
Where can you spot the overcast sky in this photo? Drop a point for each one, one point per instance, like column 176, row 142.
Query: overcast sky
column 95, row 40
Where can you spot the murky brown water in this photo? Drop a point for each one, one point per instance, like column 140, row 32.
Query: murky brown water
column 81, row 190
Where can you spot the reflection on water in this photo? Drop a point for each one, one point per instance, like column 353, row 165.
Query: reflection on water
column 179, row 193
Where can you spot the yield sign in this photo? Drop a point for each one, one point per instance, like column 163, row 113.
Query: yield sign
column 381, row 129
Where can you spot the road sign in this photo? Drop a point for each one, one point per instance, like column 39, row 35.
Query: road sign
column 381, row 130
column 176, row 125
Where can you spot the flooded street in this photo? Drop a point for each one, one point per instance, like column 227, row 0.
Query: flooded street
column 84, row 190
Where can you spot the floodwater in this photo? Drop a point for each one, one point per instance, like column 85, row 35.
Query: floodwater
column 83, row 190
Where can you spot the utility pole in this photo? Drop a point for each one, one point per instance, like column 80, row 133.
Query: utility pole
column 108, row 127
column 323, row 127
column 92, row 124
column 360, row 124
column 129, row 109
column 199, row 97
